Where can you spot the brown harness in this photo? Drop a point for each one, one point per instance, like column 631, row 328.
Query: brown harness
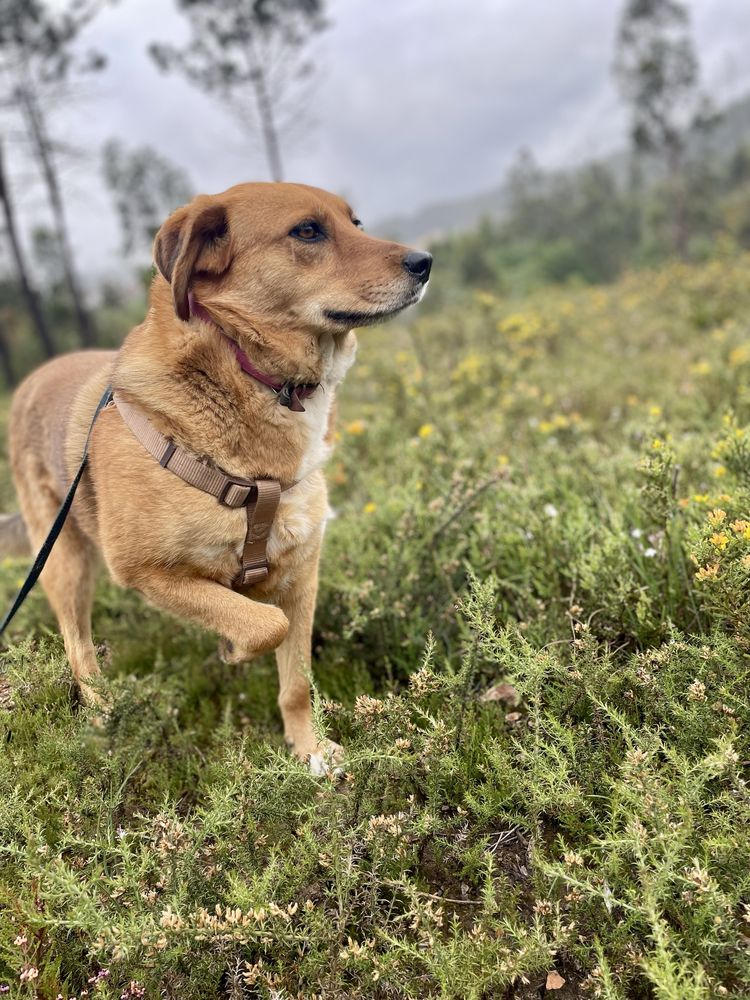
column 259, row 497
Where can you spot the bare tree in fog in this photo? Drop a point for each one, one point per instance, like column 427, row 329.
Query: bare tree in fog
column 145, row 187
column 30, row 297
column 37, row 56
column 250, row 53
column 657, row 70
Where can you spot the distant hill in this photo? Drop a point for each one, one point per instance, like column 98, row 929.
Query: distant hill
column 441, row 217
column 460, row 214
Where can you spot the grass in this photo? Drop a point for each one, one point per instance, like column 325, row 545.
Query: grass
column 532, row 638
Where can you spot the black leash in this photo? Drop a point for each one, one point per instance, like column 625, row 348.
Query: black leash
column 59, row 521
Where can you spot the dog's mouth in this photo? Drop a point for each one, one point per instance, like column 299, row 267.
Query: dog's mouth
column 371, row 317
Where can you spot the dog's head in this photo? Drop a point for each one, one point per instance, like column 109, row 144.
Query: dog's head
column 289, row 255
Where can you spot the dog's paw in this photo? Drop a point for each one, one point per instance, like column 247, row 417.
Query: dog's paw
column 99, row 704
column 326, row 760
column 89, row 697
column 268, row 633
column 227, row 652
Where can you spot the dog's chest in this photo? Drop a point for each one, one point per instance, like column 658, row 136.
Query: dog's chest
column 295, row 534
column 302, row 509
column 337, row 358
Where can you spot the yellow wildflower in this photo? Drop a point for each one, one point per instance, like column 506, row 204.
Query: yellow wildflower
column 355, row 427
column 654, row 410
column 720, row 540
column 708, row 572
column 720, row 470
column 716, row 517
column 739, row 355
column 520, row 326
column 425, row 430
column 468, row 368
column 558, row 421
column 370, row 508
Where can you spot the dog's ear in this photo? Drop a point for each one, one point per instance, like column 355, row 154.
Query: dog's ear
column 194, row 239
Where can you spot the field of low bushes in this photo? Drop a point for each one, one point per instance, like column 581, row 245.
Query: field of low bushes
column 533, row 641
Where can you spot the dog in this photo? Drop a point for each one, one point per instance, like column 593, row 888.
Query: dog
column 278, row 275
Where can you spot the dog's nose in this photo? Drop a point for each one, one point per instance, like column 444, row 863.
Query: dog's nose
column 418, row 263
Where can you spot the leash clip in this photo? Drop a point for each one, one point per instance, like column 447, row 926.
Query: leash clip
column 285, row 394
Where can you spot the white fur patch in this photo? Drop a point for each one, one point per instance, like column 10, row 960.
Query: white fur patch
column 326, row 762
column 318, row 765
column 337, row 358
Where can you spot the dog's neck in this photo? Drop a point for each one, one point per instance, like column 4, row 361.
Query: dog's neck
column 288, row 393
column 186, row 378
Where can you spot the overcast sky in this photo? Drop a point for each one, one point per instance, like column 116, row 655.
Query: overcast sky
column 415, row 100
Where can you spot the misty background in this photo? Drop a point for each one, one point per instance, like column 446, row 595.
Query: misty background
column 411, row 104
column 526, row 143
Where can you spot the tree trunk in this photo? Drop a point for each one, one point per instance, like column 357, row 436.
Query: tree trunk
column 43, row 151
column 6, row 362
column 31, row 298
column 676, row 171
column 267, row 124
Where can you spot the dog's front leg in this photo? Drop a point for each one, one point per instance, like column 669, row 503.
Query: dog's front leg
column 249, row 626
column 293, row 658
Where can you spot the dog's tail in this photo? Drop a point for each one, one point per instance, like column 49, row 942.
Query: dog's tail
column 14, row 539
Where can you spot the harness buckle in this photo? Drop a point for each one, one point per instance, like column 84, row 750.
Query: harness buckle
column 236, row 495
column 251, row 574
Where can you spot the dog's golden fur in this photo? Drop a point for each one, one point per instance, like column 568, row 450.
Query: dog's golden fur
column 288, row 302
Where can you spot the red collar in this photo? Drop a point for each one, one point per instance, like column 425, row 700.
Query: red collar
column 289, row 393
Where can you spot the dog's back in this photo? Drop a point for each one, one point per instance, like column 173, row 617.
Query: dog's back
column 42, row 408
column 40, row 419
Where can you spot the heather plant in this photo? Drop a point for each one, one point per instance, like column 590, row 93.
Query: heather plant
column 532, row 639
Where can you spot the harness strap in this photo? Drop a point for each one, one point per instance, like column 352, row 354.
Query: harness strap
column 260, row 517
column 260, row 497
column 57, row 524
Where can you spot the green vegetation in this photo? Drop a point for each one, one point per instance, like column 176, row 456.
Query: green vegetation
column 533, row 640
column 589, row 225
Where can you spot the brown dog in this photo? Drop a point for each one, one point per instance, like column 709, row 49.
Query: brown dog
column 281, row 272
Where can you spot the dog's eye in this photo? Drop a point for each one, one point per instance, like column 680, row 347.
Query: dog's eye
column 308, row 231
column 358, row 224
